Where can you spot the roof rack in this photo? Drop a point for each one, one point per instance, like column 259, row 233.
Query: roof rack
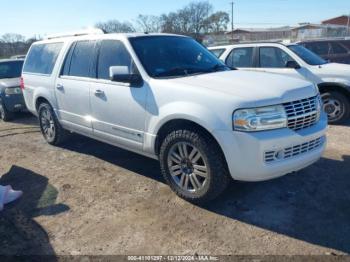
column 91, row 31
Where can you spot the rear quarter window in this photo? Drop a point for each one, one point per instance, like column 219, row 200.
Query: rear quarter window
column 218, row 52
column 42, row 58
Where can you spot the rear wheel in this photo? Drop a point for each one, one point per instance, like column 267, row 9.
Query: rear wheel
column 194, row 166
column 51, row 129
column 337, row 107
column 5, row 115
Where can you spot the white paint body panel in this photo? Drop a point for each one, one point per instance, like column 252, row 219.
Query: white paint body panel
column 328, row 73
column 131, row 117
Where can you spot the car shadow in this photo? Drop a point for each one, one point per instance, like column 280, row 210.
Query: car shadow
column 312, row 205
column 20, row 233
column 114, row 155
column 25, row 118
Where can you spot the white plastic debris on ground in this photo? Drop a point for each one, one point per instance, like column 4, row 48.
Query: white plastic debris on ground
column 8, row 195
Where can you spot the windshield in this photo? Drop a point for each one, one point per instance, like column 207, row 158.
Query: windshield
column 308, row 56
column 175, row 56
column 10, row 69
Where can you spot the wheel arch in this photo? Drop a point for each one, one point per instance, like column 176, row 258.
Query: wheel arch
column 177, row 124
column 337, row 87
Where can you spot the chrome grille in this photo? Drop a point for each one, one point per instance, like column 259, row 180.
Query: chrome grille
column 303, row 113
column 293, row 151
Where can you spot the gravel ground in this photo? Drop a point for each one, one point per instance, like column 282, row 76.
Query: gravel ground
column 91, row 198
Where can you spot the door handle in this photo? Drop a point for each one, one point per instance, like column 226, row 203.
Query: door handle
column 59, row 87
column 99, row 93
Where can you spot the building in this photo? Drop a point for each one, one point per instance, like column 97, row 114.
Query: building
column 343, row 20
column 260, row 34
column 314, row 31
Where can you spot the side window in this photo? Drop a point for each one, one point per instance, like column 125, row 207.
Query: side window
column 320, row 48
column 273, row 57
column 241, row 57
column 42, row 58
column 338, row 49
column 113, row 53
column 82, row 57
column 67, row 61
column 218, row 52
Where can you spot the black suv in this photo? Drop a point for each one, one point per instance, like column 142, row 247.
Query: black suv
column 337, row 51
column 11, row 97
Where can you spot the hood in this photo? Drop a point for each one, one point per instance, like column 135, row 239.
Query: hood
column 9, row 82
column 260, row 88
column 333, row 72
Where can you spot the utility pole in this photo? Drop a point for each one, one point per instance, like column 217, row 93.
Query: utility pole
column 232, row 23
column 348, row 26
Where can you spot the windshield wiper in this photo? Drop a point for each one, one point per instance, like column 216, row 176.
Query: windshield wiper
column 177, row 71
column 219, row 67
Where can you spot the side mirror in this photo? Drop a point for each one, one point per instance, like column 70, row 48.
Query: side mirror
column 121, row 74
column 293, row 65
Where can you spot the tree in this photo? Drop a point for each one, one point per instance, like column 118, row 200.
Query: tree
column 114, row 26
column 12, row 38
column 149, row 23
column 194, row 19
column 218, row 21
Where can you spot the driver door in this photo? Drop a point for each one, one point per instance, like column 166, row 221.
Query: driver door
column 274, row 60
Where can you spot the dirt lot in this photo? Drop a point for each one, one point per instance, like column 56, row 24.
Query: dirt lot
column 92, row 198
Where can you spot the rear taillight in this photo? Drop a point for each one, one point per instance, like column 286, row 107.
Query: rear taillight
column 22, row 83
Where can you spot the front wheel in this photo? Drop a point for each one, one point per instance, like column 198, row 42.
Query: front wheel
column 51, row 129
column 193, row 166
column 337, row 107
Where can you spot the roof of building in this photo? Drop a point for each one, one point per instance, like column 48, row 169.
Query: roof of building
column 339, row 20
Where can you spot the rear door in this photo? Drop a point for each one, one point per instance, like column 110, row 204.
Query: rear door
column 73, row 87
column 118, row 109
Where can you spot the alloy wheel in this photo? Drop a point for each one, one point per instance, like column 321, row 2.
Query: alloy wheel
column 48, row 124
column 187, row 167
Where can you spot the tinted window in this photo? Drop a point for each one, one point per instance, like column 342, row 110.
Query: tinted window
column 320, row 48
column 11, row 69
column 112, row 53
column 175, row 56
column 42, row 58
column 273, row 57
column 241, row 57
column 307, row 55
column 82, row 58
column 338, row 49
column 67, row 61
column 217, row 52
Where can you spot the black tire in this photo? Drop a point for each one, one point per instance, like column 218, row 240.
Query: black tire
column 59, row 135
column 218, row 177
column 337, row 107
column 5, row 115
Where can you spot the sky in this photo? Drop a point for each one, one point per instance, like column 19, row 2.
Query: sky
column 42, row 17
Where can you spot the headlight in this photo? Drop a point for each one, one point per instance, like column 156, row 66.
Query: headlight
column 258, row 119
column 13, row 91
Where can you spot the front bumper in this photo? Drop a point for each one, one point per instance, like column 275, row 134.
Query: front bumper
column 245, row 153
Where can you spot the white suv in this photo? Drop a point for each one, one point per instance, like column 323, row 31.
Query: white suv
column 296, row 61
column 169, row 98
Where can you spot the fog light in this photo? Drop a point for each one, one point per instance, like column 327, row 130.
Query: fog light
column 279, row 155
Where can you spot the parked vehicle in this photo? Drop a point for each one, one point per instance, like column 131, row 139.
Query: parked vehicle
column 11, row 97
column 167, row 97
column 337, row 51
column 296, row 61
